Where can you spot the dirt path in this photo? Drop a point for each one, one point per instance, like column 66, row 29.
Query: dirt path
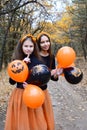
column 69, row 104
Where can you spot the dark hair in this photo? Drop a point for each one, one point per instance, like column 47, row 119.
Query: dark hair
column 19, row 54
column 38, row 39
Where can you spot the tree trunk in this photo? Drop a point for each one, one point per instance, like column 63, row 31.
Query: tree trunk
column 4, row 42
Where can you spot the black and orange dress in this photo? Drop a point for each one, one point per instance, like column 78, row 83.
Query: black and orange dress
column 21, row 117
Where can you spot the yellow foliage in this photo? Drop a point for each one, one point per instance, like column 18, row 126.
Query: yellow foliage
column 21, row 22
column 59, row 29
column 71, row 8
column 48, row 5
column 11, row 29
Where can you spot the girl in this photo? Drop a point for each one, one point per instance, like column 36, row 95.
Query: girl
column 19, row 116
column 44, row 45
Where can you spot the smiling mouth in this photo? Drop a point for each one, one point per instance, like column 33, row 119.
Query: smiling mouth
column 46, row 47
column 28, row 52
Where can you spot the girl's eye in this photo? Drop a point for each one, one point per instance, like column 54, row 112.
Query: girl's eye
column 44, row 41
column 31, row 46
column 25, row 46
column 47, row 41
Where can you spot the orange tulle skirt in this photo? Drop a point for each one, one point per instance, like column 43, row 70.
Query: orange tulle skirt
column 21, row 117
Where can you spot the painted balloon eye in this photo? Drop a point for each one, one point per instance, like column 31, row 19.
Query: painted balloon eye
column 13, row 66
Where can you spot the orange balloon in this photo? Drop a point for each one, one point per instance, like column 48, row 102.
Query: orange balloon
column 18, row 70
column 33, row 96
column 65, row 56
column 59, row 66
column 72, row 65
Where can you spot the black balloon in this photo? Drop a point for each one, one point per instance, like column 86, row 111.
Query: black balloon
column 73, row 75
column 39, row 75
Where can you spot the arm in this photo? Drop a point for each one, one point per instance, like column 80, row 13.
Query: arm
column 11, row 81
column 54, row 75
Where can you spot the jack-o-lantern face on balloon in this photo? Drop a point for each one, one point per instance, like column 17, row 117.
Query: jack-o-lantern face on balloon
column 17, row 67
column 18, row 70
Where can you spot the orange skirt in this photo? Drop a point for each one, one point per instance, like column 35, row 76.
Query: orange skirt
column 21, row 117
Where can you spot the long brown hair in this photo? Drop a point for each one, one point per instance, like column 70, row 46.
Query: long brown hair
column 18, row 52
column 38, row 39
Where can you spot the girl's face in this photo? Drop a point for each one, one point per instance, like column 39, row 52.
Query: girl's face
column 45, row 43
column 28, row 47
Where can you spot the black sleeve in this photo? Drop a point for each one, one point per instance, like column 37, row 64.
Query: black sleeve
column 53, row 63
column 54, row 79
column 11, row 81
column 53, row 67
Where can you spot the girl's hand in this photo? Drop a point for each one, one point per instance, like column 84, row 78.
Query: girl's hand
column 56, row 72
column 25, row 84
column 53, row 72
column 59, row 71
column 27, row 59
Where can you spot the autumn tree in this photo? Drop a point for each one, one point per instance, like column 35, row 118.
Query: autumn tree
column 79, row 12
column 18, row 17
